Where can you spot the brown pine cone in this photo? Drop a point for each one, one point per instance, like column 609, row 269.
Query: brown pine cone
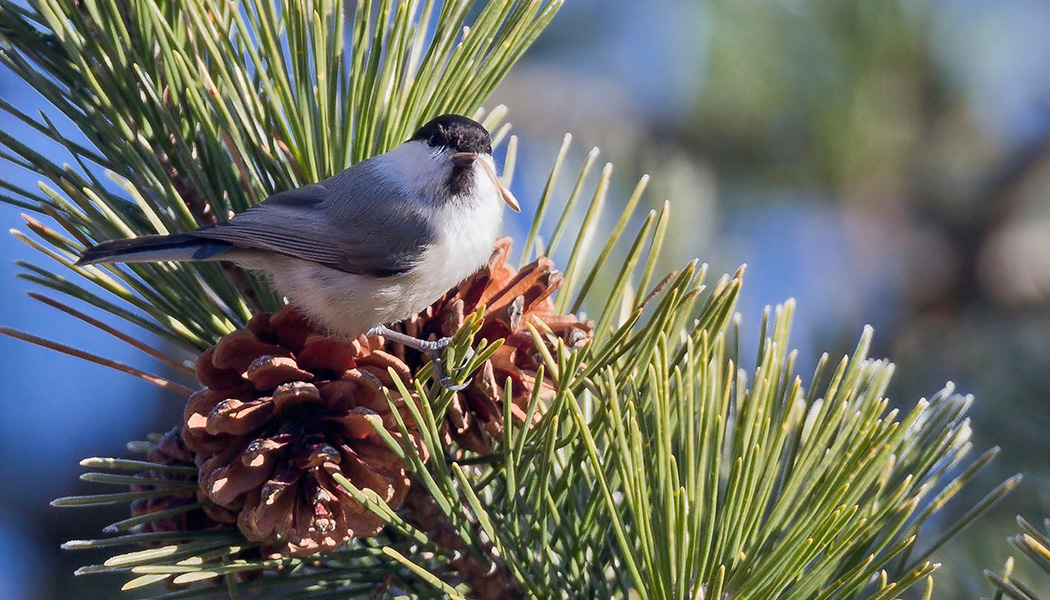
column 284, row 410
column 512, row 300
column 171, row 450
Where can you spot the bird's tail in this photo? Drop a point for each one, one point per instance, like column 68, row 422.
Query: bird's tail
column 155, row 248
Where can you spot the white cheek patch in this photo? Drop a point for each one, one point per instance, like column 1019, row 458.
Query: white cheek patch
column 415, row 168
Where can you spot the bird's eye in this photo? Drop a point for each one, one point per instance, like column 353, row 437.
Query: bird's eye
column 488, row 148
column 436, row 139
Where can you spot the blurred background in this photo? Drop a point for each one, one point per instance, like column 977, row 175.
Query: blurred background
column 881, row 161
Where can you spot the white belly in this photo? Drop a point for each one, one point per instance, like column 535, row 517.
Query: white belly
column 352, row 304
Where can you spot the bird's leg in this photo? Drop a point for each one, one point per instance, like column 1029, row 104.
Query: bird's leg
column 433, row 350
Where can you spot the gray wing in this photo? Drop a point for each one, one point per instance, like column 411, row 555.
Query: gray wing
column 351, row 222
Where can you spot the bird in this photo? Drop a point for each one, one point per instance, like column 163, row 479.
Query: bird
column 367, row 247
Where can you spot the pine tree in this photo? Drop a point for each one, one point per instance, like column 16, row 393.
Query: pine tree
column 631, row 455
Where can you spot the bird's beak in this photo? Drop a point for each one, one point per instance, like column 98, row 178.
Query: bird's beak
column 463, row 159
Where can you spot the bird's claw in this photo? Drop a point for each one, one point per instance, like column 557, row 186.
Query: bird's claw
column 435, row 350
column 469, row 356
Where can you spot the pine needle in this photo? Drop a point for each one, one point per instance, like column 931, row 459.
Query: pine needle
column 105, row 362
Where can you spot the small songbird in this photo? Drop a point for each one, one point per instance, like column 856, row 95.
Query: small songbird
column 371, row 245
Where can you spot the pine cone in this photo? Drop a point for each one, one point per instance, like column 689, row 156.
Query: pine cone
column 284, row 410
column 171, row 450
column 512, row 300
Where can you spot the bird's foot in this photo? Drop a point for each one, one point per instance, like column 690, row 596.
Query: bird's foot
column 433, row 349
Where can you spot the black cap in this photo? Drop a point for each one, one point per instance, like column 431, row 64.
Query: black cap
column 455, row 132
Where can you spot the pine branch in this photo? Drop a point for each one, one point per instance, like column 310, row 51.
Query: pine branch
column 199, row 110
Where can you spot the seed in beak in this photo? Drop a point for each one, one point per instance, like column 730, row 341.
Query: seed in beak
column 463, row 159
column 509, row 198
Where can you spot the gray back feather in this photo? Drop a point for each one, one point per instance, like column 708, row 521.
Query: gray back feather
column 352, row 221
